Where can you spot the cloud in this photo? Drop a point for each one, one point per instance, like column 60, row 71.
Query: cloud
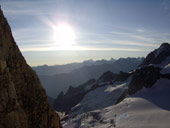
column 22, row 7
column 91, row 41
column 143, row 40
column 102, row 38
column 23, row 12
column 25, row 34
column 140, row 30
column 77, row 48
column 148, row 38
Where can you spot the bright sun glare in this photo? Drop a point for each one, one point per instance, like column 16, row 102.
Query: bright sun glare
column 64, row 36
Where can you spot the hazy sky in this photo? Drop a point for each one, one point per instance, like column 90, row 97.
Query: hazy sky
column 102, row 28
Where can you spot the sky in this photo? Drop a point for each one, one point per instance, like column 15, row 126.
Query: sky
column 65, row 31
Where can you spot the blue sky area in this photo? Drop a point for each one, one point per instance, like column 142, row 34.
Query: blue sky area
column 103, row 29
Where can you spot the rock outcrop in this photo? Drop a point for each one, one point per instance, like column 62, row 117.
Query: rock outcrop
column 147, row 74
column 64, row 103
column 158, row 55
column 23, row 101
column 107, row 76
column 144, row 77
column 74, row 95
column 149, row 71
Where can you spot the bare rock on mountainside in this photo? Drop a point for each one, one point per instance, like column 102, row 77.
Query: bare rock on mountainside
column 137, row 99
column 64, row 102
column 144, row 77
column 158, row 55
column 23, row 101
column 149, row 71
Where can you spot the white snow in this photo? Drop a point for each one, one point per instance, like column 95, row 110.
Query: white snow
column 89, row 87
column 166, row 69
column 122, row 117
column 100, row 97
column 148, row 108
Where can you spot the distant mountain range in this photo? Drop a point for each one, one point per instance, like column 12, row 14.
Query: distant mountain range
column 54, row 84
column 66, row 68
column 122, row 99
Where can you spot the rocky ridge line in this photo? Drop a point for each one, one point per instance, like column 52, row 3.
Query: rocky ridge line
column 23, row 101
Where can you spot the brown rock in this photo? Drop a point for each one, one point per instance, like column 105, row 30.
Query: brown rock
column 23, row 101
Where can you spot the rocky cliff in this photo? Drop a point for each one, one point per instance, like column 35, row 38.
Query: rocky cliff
column 23, row 101
column 158, row 55
column 67, row 102
column 64, row 102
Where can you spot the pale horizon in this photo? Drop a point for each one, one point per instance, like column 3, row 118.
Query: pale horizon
column 81, row 61
column 60, row 32
column 76, row 57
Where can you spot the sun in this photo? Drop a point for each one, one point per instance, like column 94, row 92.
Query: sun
column 64, row 36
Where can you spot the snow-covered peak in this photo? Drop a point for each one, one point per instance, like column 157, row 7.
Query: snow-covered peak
column 135, row 99
column 147, row 109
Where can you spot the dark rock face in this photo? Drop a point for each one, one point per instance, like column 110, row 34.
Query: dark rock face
column 64, row 103
column 107, row 76
column 23, row 101
column 112, row 77
column 147, row 75
column 51, row 100
column 158, row 55
column 122, row 76
column 144, row 77
column 60, row 82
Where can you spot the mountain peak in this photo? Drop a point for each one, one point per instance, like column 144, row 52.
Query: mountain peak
column 165, row 47
column 165, row 44
column 158, row 56
column 107, row 76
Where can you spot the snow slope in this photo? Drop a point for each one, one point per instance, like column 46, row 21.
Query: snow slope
column 100, row 98
column 139, row 107
column 148, row 108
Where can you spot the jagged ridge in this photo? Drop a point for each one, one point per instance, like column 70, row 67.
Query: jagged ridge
column 158, row 55
column 23, row 101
